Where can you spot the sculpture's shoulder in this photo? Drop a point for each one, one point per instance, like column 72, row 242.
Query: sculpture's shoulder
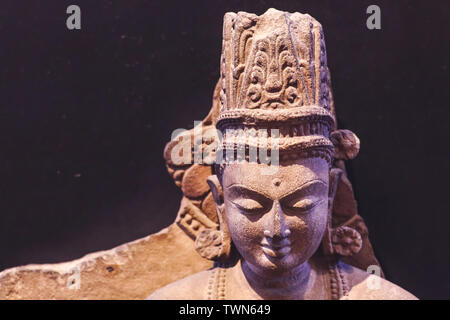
column 365, row 286
column 193, row 287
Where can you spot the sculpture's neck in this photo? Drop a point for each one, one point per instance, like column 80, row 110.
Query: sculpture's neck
column 293, row 282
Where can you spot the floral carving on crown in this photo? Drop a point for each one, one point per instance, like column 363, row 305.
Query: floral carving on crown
column 272, row 76
column 273, row 61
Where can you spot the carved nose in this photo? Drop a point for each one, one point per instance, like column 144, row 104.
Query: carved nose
column 273, row 83
column 277, row 228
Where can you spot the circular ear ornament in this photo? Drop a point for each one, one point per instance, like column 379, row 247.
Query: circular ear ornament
column 210, row 244
column 346, row 241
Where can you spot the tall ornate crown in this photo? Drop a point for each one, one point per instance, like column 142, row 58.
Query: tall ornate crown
column 274, row 75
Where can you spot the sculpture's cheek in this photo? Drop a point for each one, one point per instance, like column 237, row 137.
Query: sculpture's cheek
column 307, row 236
column 246, row 234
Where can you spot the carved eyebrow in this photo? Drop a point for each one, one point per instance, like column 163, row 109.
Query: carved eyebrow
column 304, row 187
column 240, row 189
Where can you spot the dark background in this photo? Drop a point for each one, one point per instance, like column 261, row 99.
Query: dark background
column 85, row 116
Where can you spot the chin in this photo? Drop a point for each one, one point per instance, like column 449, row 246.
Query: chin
column 282, row 264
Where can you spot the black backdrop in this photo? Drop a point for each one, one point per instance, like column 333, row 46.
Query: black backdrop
column 85, row 116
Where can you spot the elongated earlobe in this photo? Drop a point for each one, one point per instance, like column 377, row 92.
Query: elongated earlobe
column 343, row 240
column 215, row 244
column 216, row 189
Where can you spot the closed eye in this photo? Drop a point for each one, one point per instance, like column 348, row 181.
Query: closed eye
column 304, row 205
column 248, row 205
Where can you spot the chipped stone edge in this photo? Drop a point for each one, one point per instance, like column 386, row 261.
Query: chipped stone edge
column 117, row 255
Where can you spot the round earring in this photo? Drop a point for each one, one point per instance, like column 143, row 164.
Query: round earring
column 346, row 241
column 212, row 244
column 215, row 244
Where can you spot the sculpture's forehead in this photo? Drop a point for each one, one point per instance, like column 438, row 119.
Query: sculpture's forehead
column 286, row 179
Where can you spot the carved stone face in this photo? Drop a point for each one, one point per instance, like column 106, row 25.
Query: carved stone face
column 277, row 221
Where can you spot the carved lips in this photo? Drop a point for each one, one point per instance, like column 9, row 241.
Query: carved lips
column 277, row 249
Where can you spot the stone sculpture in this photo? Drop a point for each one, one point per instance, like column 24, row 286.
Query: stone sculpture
column 273, row 75
column 276, row 237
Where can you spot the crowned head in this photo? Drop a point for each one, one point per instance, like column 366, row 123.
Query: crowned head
column 274, row 98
